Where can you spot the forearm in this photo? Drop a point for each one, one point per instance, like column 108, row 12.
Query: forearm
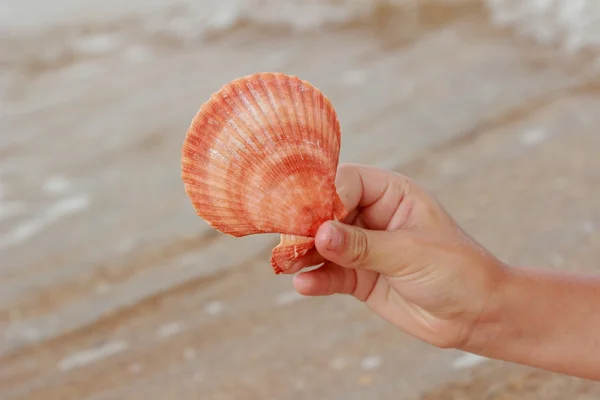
column 544, row 319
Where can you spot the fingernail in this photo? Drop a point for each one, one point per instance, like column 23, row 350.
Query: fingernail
column 335, row 238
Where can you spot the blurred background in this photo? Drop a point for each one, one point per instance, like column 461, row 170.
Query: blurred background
column 112, row 288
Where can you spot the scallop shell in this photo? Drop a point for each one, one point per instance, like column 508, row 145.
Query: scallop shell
column 261, row 157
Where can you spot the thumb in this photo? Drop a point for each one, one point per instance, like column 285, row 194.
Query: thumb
column 353, row 247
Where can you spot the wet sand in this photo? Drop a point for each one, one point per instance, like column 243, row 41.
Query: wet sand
column 111, row 287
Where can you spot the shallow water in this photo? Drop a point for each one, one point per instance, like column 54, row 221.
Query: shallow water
column 573, row 24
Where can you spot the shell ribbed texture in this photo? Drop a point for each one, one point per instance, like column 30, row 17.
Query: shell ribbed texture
column 260, row 157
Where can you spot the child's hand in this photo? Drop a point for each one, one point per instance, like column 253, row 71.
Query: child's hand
column 402, row 254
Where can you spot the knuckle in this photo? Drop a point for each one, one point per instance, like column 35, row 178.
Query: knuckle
column 401, row 183
column 360, row 247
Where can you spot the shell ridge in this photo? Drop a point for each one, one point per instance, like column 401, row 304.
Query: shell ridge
column 251, row 158
column 312, row 113
column 267, row 128
column 328, row 123
column 251, row 107
column 273, row 103
column 334, row 129
column 285, row 139
column 280, row 87
column 338, row 138
column 293, row 119
column 244, row 132
column 307, row 128
column 329, row 143
column 212, row 140
column 213, row 209
column 289, row 210
column 251, row 135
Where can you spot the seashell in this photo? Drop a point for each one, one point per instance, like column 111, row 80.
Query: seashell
column 261, row 156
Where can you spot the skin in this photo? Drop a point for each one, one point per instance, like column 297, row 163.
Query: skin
column 406, row 258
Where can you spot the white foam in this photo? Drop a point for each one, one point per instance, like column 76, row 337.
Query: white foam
column 20, row 331
column 170, row 329
column 55, row 212
column 96, row 44
column 572, row 24
column 88, row 356
column 534, row 136
column 371, row 363
column 214, row 307
column 185, row 19
column 286, row 298
column 56, row 185
column 468, row 360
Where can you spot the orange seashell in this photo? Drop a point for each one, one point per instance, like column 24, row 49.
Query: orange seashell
column 261, row 157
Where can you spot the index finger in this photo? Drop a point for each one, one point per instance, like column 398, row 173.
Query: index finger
column 381, row 194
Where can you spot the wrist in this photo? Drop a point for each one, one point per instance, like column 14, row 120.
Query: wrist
column 541, row 318
column 490, row 324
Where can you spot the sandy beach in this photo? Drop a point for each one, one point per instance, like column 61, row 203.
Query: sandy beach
column 112, row 288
